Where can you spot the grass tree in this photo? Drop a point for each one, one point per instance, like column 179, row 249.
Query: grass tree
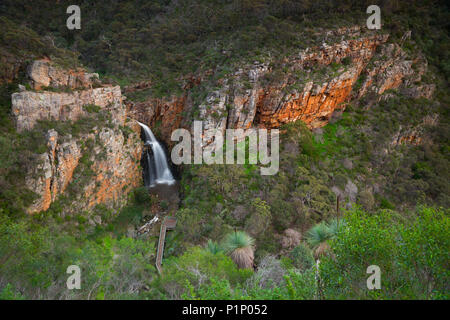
column 318, row 237
column 213, row 247
column 239, row 246
column 334, row 226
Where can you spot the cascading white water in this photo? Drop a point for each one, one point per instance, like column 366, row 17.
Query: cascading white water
column 159, row 171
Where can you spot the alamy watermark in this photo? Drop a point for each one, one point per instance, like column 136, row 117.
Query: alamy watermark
column 208, row 147
column 374, row 281
column 74, row 280
column 74, row 20
column 374, row 20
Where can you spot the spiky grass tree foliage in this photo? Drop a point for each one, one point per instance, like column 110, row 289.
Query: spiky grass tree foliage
column 334, row 226
column 239, row 246
column 317, row 238
column 213, row 247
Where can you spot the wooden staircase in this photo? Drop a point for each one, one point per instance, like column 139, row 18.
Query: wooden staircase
column 169, row 223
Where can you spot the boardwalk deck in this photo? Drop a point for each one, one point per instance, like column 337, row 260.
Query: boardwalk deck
column 168, row 223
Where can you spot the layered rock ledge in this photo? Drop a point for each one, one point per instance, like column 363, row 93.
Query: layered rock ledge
column 99, row 166
column 313, row 84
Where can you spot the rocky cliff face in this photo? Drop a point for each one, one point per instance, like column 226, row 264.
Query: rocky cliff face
column 327, row 83
column 43, row 73
column 166, row 114
column 113, row 169
column 309, row 86
column 100, row 165
column 391, row 69
column 28, row 106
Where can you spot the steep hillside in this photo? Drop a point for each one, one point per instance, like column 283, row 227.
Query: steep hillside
column 76, row 138
column 363, row 163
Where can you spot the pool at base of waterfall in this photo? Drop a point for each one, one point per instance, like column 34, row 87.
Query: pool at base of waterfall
column 166, row 192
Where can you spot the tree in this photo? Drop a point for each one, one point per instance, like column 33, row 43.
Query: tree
column 196, row 268
column 260, row 219
column 239, row 246
column 412, row 256
column 318, row 237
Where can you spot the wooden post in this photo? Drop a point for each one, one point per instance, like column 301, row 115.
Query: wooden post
column 337, row 209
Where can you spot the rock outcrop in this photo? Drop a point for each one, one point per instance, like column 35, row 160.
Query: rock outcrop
column 97, row 166
column 118, row 172
column 388, row 71
column 328, row 82
column 414, row 135
column 28, row 106
column 43, row 73
column 112, row 172
column 163, row 115
column 53, row 172
column 313, row 84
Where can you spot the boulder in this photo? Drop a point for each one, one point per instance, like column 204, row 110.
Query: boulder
column 44, row 73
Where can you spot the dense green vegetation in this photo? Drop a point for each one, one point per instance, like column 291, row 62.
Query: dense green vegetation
column 312, row 165
column 383, row 238
column 19, row 45
column 164, row 41
column 412, row 254
column 411, row 251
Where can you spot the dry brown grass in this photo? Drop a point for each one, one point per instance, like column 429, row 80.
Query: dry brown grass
column 243, row 257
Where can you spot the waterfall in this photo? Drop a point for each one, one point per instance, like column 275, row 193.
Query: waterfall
column 158, row 170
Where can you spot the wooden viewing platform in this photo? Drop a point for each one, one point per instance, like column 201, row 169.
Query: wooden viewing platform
column 168, row 223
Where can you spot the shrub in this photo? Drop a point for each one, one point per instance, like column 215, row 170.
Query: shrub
column 239, row 246
column 213, row 247
column 318, row 237
column 91, row 108
column 270, row 274
column 197, row 267
column 260, row 219
column 386, row 204
column 141, row 196
column 412, row 256
column 302, row 257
